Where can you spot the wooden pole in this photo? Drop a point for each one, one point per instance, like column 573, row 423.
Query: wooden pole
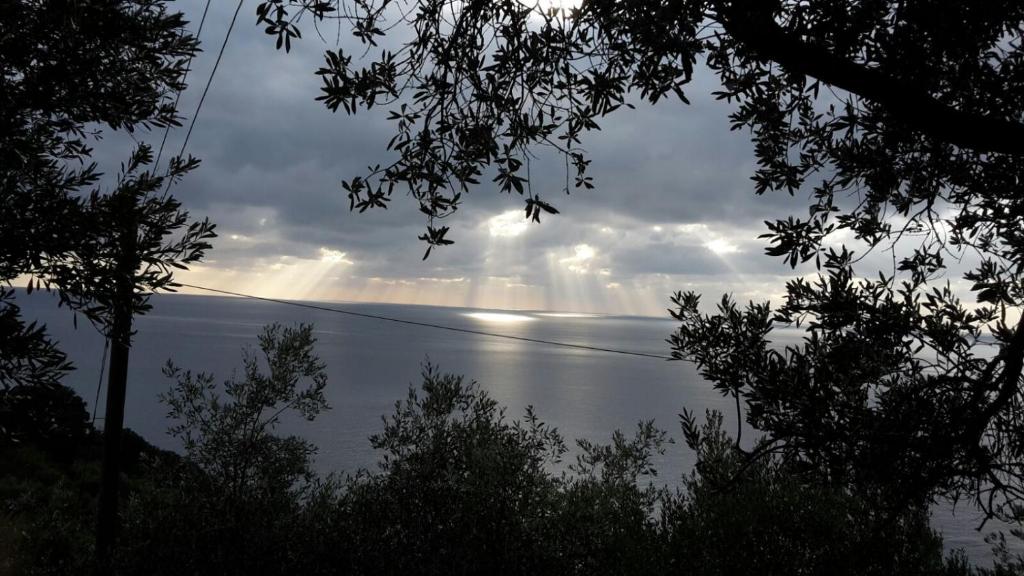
column 117, row 384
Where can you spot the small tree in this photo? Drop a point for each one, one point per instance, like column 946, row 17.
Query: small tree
column 460, row 488
column 233, row 442
column 889, row 393
column 234, row 504
column 740, row 516
column 67, row 70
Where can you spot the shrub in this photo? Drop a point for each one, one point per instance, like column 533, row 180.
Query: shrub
column 459, row 490
column 743, row 515
column 233, row 503
column 49, row 415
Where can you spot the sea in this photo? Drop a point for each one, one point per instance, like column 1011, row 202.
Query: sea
column 372, row 363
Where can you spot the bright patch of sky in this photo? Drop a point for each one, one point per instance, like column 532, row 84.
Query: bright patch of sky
column 507, row 224
column 673, row 208
column 579, row 262
column 721, row 246
column 333, row 256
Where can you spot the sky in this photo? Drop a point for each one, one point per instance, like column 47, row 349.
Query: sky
column 673, row 208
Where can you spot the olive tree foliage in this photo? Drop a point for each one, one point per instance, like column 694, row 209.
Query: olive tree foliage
column 741, row 516
column 890, row 391
column 926, row 93
column 460, row 488
column 480, row 83
column 232, row 439
column 900, row 121
column 236, row 502
column 68, row 71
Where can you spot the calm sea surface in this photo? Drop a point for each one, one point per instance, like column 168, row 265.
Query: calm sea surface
column 371, row 364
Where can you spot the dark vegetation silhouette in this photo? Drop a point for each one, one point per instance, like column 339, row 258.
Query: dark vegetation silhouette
column 69, row 71
column 459, row 488
column 900, row 121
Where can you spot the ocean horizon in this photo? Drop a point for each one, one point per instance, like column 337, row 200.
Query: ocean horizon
column 371, row 363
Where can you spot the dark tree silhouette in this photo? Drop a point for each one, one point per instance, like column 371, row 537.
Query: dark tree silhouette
column 901, row 121
column 231, row 438
column 69, row 70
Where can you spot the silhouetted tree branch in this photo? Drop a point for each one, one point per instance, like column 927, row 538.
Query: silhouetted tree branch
column 752, row 23
column 890, row 394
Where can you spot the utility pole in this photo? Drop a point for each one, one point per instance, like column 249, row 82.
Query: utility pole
column 117, row 384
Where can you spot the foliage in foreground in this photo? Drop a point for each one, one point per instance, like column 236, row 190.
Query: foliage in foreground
column 899, row 122
column 460, row 488
column 70, row 72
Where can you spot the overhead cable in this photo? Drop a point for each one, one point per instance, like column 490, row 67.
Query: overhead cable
column 426, row 324
column 177, row 97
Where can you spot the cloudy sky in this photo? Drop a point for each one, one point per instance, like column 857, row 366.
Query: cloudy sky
column 673, row 208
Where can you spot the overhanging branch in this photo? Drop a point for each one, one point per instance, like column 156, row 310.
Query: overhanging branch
column 751, row 23
column 1012, row 356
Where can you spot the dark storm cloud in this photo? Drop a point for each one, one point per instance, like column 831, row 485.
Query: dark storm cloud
column 273, row 159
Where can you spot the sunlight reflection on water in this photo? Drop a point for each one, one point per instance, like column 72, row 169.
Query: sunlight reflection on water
column 498, row 317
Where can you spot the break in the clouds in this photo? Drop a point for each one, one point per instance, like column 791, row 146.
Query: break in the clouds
column 674, row 207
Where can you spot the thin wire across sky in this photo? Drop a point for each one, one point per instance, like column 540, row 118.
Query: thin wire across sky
column 396, row 320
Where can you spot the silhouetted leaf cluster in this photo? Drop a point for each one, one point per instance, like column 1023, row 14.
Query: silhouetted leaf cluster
column 893, row 391
column 481, row 83
column 900, row 121
column 29, row 357
column 459, row 489
column 67, row 71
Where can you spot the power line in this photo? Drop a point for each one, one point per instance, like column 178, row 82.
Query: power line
column 99, row 383
column 209, row 81
column 177, row 97
column 156, row 165
column 184, row 144
column 428, row 324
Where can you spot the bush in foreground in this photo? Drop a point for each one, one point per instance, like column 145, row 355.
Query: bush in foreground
column 459, row 489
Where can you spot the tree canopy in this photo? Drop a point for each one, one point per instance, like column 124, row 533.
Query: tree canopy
column 69, row 70
column 900, row 120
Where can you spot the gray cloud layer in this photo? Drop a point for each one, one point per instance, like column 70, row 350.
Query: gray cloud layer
column 673, row 208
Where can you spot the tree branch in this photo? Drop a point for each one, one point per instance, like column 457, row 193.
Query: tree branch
column 1012, row 356
column 751, row 22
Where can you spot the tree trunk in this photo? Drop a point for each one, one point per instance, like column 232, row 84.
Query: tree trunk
column 117, row 384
